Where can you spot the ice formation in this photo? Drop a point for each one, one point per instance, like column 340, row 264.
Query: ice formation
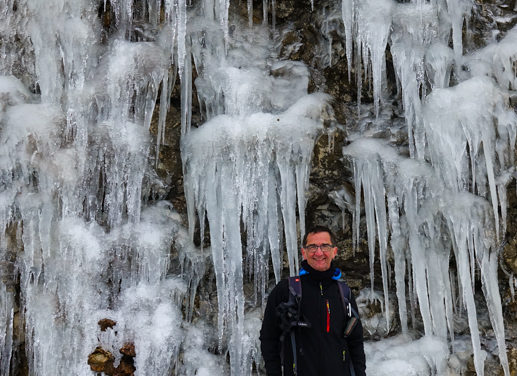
column 450, row 194
column 243, row 165
column 74, row 164
column 85, row 239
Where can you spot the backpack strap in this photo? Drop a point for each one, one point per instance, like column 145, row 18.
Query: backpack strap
column 353, row 316
column 295, row 288
column 295, row 296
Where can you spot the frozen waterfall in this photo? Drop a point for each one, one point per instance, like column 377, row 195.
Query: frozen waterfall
column 102, row 266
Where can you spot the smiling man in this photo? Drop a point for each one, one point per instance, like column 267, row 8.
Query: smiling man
column 311, row 326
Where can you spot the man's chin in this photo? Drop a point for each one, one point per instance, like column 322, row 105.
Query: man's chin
column 320, row 266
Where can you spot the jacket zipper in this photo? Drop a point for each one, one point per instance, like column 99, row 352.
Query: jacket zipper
column 328, row 309
column 328, row 316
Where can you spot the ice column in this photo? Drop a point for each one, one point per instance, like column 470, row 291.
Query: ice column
column 369, row 179
column 460, row 125
column 368, row 24
column 415, row 28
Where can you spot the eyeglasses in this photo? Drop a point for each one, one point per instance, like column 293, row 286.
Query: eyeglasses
column 312, row 248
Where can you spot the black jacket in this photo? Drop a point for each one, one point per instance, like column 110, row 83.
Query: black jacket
column 321, row 349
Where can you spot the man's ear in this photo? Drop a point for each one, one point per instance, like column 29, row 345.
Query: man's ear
column 304, row 256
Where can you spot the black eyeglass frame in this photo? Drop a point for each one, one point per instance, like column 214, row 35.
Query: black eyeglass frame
column 312, row 248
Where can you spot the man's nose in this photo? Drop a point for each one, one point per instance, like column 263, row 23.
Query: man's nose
column 318, row 251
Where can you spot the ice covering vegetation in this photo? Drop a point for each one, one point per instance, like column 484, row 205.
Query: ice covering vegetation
column 86, row 234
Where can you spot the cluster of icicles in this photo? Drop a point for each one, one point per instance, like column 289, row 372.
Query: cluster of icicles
column 86, row 239
column 449, row 195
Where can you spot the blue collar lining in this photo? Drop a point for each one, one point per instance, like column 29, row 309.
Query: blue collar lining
column 337, row 273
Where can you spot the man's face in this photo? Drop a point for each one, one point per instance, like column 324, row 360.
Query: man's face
column 317, row 258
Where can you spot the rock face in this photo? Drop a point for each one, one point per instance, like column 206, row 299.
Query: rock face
column 299, row 33
column 299, row 30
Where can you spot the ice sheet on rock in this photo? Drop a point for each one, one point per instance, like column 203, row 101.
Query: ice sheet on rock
column 134, row 74
column 415, row 27
column 55, row 44
column 496, row 60
column 193, row 262
column 6, row 321
column 119, row 160
column 48, row 182
column 148, row 242
column 15, row 36
column 60, row 305
column 438, row 61
column 345, row 200
column 252, row 325
column 403, row 356
column 197, row 359
column 30, row 134
column 460, row 144
column 12, row 92
column 149, row 316
column 374, row 321
column 243, row 81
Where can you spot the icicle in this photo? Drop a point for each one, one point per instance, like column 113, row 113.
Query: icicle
column 458, row 10
column 250, row 13
column 348, row 15
column 186, row 94
column 398, row 247
column 6, row 327
column 265, row 6
column 181, row 36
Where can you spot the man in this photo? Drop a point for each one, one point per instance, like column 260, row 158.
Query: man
column 321, row 348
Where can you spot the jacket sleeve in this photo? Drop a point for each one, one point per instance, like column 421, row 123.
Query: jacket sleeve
column 356, row 346
column 270, row 335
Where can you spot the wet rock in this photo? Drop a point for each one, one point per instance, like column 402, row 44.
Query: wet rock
column 510, row 255
column 512, row 360
column 126, row 366
column 101, row 360
column 106, row 323
column 128, row 349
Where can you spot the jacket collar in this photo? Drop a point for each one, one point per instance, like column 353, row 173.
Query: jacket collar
column 316, row 275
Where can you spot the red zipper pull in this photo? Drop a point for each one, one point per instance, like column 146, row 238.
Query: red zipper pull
column 328, row 316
